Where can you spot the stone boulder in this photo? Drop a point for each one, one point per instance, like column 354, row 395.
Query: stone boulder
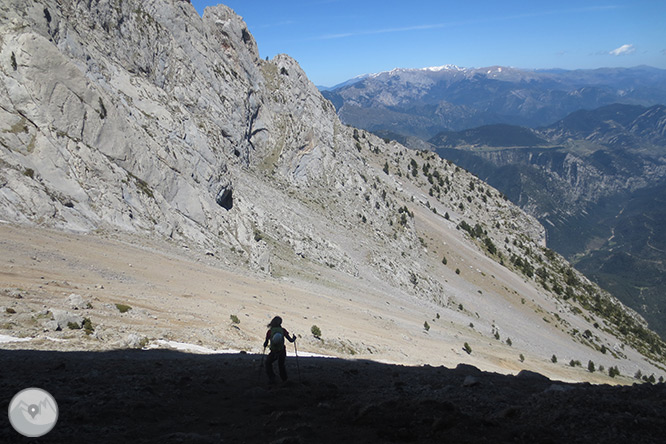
column 65, row 319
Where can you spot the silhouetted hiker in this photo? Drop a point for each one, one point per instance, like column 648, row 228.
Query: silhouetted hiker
column 275, row 336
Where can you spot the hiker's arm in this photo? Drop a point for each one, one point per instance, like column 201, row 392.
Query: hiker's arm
column 268, row 336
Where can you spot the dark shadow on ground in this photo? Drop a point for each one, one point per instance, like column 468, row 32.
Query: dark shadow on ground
column 168, row 396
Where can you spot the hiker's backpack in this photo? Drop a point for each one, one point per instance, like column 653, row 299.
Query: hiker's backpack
column 277, row 338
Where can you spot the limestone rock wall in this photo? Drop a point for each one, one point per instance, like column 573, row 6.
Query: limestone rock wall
column 142, row 116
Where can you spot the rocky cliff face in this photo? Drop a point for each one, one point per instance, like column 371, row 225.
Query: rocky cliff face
column 588, row 156
column 143, row 117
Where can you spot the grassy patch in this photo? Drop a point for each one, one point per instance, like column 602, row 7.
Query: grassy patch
column 142, row 186
column 123, row 308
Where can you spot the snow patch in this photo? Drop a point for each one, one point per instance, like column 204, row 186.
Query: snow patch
column 443, row 68
column 4, row 339
column 183, row 346
column 396, row 71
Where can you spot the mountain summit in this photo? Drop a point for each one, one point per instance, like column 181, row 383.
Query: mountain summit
column 142, row 119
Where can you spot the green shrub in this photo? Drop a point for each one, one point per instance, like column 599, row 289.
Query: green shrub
column 316, row 331
column 73, row 326
column 234, row 319
column 553, row 359
column 467, row 348
column 590, row 366
column 490, row 246
column 426, row 326
column 88, row 326
column 123, row 308
column 522, row 357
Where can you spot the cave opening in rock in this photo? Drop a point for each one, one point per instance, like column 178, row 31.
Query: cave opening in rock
column 225, row 198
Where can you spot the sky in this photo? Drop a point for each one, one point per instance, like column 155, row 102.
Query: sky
column 336, row 40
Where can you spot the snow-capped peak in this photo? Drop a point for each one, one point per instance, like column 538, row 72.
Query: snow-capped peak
column 395, row 71
column 443, row 68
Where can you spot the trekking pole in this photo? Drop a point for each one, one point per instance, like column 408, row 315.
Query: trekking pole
column 297, row 366
column 263, row 353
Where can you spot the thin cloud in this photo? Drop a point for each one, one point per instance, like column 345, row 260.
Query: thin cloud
column 381, row 31
column 460, row 23
column 623, row 50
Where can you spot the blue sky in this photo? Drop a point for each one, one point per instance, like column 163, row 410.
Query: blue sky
column 335, row 40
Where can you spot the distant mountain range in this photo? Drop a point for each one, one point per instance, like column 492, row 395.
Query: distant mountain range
column 597, row 180
column 425, row 102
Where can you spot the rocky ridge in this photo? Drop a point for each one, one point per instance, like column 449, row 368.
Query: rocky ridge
column 144, row 118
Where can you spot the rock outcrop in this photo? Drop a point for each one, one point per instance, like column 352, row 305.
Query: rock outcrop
column 142, row 116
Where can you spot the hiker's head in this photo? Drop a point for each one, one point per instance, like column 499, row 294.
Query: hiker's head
column 276, row 322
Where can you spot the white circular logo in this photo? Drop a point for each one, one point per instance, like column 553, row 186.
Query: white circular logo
column 33, row 412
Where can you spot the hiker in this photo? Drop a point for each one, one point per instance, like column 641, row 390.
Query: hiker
column 275, row 336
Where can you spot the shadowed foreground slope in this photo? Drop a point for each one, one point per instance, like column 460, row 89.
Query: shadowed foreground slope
column 167, row 396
